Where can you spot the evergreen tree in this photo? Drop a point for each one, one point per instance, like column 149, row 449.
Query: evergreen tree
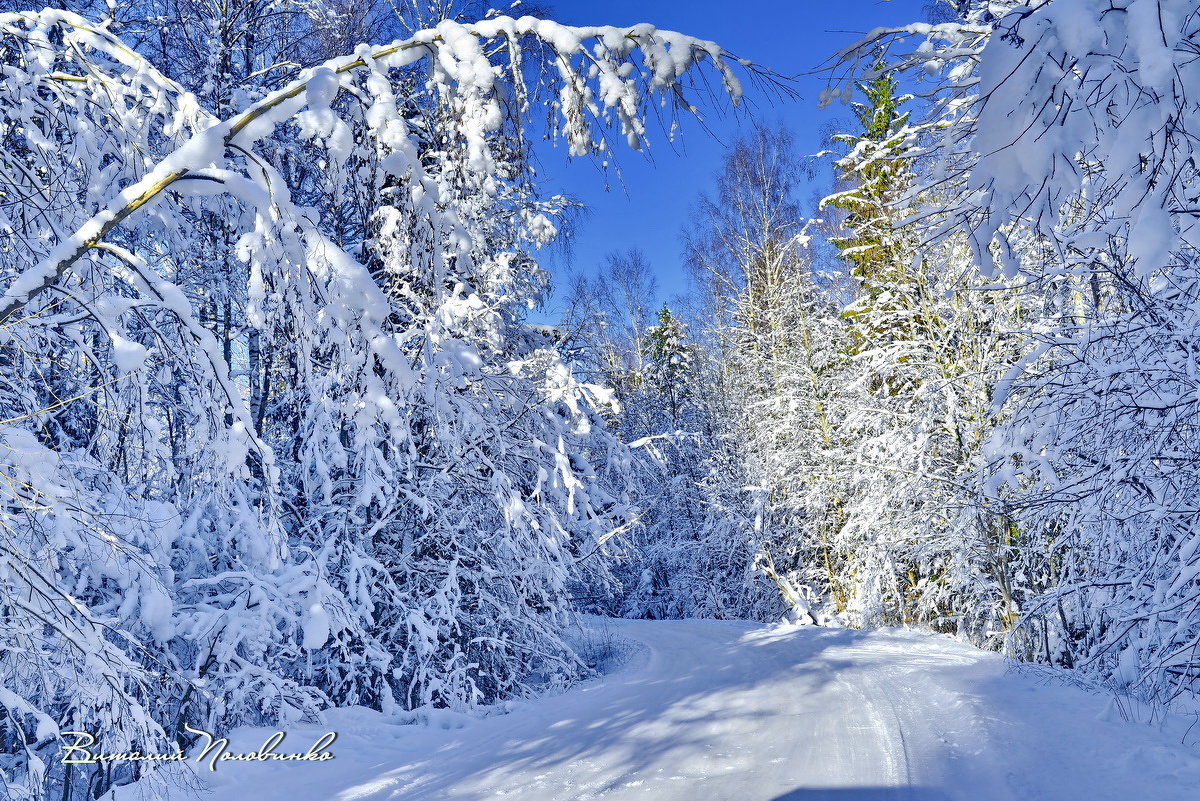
column 927, row 347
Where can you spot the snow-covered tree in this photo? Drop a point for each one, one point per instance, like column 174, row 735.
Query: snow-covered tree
column 772, row 327
column 1059, row 137
column 686, row 551
column 692, row 548
column 147, row 515
column 927, row 346
column 607, row 317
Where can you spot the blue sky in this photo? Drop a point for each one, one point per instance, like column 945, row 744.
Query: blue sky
column 789, row 37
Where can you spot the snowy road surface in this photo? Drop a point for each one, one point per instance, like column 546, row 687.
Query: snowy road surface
column 719, row 710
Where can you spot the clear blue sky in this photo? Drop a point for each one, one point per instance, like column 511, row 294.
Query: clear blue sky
column 789, row 36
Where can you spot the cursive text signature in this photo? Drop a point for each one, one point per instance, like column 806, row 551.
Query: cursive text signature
column 215, row 750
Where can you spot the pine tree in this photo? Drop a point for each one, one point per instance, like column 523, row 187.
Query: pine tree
column 878, row 255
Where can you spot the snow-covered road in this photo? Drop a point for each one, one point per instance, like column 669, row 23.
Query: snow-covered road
column 719, row 710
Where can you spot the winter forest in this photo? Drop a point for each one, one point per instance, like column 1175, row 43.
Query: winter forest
column 288, row 423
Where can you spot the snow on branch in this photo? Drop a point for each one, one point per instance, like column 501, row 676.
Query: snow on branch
column 601, row 83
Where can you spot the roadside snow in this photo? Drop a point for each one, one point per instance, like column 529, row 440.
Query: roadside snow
column 709, row 710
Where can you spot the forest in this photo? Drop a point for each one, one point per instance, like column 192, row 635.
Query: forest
column 282, row 429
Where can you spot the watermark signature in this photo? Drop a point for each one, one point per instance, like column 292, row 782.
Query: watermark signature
column 215, row 750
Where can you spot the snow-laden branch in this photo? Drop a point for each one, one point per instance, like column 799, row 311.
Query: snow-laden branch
column 460, row 64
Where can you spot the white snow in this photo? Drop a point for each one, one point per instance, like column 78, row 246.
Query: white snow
column 316, row 628
column 130, row 356
column 726, row 710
